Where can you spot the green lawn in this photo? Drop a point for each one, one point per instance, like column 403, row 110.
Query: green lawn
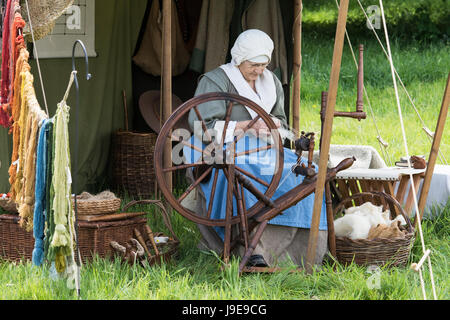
column 198, row 274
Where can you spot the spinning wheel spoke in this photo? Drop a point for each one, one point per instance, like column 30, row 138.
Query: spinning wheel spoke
column 187, row 144
column 248, row 174
column 246, row 128
column 247, row 152
column 193, row 185
column 205, row 130
column 213, row 192
column 227, row 121
column 242, row 212
column 184, row 166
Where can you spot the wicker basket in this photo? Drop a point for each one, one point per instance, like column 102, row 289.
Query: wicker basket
column 8, row 205
column 391, row 252
column 95, row 237
column 16, row 244
column 132, row 156
column 93, row 206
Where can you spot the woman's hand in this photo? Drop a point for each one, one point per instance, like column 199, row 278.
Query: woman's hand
column 259, row 128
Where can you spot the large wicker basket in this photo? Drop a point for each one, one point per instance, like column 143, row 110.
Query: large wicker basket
column 95, row 237
column 17, row 245
column 391, row 252
column 132, row 156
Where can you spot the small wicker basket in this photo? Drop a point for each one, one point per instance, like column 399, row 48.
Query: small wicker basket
column 8, row 205
column 380, row 251
column 92, row 205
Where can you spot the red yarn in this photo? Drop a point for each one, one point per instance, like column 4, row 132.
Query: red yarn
column 12, row 40
column 6, row 81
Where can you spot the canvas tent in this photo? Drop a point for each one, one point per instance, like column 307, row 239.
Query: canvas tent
column 119, row 29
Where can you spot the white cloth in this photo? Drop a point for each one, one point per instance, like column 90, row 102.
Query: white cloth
column 439, row 192
column 367, row 157
column 266, row 92
column 251, row 44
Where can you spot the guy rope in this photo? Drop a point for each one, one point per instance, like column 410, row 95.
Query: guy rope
column 425, row 251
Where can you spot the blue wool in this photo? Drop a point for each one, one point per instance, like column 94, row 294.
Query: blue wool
column 39, row 206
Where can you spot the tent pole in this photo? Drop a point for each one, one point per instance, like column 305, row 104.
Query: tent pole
column 166, row 92
column 297, row 67
column 434, row 150
column 326, row 134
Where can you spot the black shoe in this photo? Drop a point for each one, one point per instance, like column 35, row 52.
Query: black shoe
column 256, row 260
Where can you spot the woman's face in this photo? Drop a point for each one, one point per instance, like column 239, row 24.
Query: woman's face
column 251, row 70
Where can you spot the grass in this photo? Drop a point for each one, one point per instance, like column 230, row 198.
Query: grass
column 198, row 275
column 423, row 70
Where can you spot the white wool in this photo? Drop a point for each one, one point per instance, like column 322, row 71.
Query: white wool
column 399, row 218
column 352, row 226
column 357, row 221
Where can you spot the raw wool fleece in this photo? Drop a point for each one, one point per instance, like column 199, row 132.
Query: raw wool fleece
column 358, row 221
column 383, row 231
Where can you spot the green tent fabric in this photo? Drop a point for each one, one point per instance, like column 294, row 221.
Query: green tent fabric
column 101, row 112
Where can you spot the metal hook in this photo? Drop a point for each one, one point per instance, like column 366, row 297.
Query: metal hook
column 75, row 160
column 88, row 75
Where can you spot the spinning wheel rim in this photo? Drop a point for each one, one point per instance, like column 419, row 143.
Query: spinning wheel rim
column 165, row 133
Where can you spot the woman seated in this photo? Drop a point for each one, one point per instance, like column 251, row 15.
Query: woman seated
column 286, row 236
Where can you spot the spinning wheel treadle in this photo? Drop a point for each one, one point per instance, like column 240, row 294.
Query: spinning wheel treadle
column 210, row 164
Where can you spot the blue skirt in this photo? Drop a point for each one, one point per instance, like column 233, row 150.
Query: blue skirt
column 262, row 165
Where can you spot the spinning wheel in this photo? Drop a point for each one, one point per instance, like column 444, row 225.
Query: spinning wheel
column 216, row 156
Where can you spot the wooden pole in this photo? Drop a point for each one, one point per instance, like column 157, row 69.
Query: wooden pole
column 297, row 67
column 326, row 134
column 434, row 150
column 166, row 81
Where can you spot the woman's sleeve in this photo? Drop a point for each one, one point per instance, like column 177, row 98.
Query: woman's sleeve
column 210, row 111
column 278, row 109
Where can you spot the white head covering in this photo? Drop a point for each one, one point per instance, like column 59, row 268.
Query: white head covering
column 256, row 46
column 253, row 45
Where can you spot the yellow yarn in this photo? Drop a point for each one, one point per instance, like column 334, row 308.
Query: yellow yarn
column 26, row 207
column 22, row 123
column 62, row 206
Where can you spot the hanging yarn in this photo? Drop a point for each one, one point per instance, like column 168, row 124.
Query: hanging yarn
column 49, row 193
column 25, row 195
column 17, row 186
column 41, row 187
column 61, row 184
column 12, row 24
column 22, row 66
column 6, row 81
column 29, row 175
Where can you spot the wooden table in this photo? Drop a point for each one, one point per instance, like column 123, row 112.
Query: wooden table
column 393, row 180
